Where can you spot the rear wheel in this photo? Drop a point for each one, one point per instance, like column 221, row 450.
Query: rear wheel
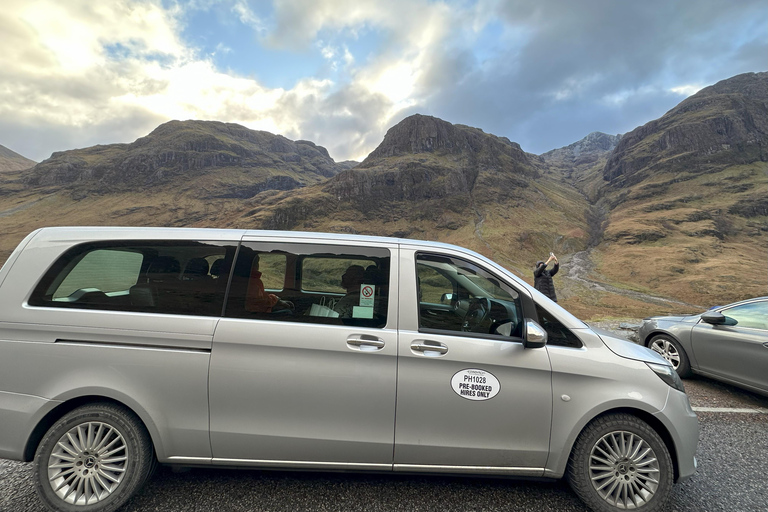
column 619, row 462
column 93, row 459
column 672, row 351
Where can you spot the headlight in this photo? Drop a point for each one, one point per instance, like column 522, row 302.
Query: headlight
column 668, row 375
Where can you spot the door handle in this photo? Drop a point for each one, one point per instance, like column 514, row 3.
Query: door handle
column 363, row 342
column 426, row 346
column 765, row 344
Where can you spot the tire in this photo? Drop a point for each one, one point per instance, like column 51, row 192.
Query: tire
column 619, row 462
column 671, row 350
column 93, row 459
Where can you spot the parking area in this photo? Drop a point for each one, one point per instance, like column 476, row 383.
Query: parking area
column 732, row 475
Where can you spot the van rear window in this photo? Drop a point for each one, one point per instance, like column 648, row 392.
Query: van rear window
column 125, row 267
column 186, row 278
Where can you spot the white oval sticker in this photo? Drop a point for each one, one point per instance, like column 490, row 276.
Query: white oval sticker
column 475, row 384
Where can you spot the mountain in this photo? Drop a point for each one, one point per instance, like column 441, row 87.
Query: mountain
column 12, row 161
column 431, row 179
column 426, row 158
column 721, row 125
column 183, row 173
column 584, row 152
column 675, row 208
column 582, row 162
column 223, row 160
column 687, row 196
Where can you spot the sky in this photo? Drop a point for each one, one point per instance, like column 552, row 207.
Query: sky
column 340, row 73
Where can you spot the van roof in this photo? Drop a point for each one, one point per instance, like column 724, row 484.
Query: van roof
column 85, row 233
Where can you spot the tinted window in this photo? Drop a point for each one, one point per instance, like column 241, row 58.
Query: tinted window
column 754, row 315
column 272, row 266
column 557, row 334
column 456, row 295
column 324, row 274
column 186, row 278
column 337, row 285
column 89, row 273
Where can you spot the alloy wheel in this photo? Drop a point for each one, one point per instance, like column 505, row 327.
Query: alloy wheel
column 667, row 350
column 88, row 463
column 624, row 470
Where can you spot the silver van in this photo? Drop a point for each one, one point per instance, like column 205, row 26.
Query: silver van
column 121, row 348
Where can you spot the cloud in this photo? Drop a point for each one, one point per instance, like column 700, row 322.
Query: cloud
column 571, row 68
column 247, row 16
column 543, row 74
column 64, row 63
column 687, row 90
column 73, row 71
column 298, row 23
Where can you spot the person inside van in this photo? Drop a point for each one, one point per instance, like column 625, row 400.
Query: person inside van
column 350, row 281
column 257, row 300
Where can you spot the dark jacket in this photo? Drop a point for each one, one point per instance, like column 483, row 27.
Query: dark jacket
column 542, row 280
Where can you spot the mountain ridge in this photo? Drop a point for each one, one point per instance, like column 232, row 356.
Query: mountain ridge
column 727, row 122
column 12, row 161
column 657, row 228
column 257, row 161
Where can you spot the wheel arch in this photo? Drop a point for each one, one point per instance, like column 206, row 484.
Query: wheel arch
column 50, row 418
column 656, row 424
column 659, row 332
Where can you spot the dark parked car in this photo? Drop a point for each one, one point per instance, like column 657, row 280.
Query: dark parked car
column 727, row 343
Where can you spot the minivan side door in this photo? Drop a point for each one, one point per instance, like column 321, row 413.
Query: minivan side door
column 466, row 397
column 294, row 383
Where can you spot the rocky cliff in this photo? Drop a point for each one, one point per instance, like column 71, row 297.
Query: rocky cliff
column 724, row 124
column 187, row 150
column 582, row 162
column 425, row 158
column 432, row 179
column 584, row 152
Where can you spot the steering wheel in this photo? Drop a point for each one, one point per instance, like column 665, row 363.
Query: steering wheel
column 477, row 313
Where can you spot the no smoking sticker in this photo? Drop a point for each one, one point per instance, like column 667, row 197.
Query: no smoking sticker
column 367, row 291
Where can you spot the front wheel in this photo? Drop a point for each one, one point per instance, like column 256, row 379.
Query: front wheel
column 673, row 352
column 93, row 459
column 619, row 462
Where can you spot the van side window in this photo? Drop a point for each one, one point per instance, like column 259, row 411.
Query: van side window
column 272, row 266
column 456, row 295
column 88, row 273
column 337, row 285
column 139, row 276
column 558, row 335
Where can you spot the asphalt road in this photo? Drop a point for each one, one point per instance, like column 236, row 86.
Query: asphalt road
column 732, row 476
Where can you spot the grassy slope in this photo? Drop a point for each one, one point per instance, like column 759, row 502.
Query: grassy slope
column 680, row 239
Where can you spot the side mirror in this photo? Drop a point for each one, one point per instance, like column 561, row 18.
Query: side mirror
column 447, row 298
column 713, row 317
column 535, row 335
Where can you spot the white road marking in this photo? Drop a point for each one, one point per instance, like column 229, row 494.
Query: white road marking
column 730, row 410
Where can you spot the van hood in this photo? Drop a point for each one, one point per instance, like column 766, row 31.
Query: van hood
column 629, row 350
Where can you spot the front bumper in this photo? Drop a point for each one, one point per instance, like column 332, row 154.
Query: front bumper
column 683, row 426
